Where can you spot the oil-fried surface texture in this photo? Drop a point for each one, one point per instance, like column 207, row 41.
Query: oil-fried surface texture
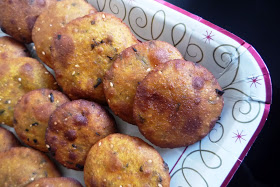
column 19, row 76
column 7, row 140
column 129, row 69
column 21, row 165
column 84, row 50
column 177, row 104
column 122, row 160
column 73, row 128
column 32, row 113
column 55, row 182
column 53, row 19
column 10, row 48
column 18, row 17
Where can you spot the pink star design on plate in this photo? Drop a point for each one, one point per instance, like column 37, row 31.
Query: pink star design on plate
column 208, row 37
column 254, row 80
column 239, row 136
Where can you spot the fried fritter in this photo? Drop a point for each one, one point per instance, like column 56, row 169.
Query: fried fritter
column 55, row 182
column 19, row 76
column 84, row 50
column 7, row 140
column 53, row 19
column 73, row 128
column 21, row 165
column 18, row 17
column 32, row 113
column 10, row 48
column 177, row 104
column 122, row 160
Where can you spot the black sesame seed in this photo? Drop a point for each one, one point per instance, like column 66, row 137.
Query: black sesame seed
column 35, row 140
column 2, row 111
column 92, row 46
column 127, row 165
column 51, row 97
column 135, row 50
column 35, row 124
column 26, row 130
column 73, row 145
column 219, row 92
column 27, row 139
column 99, row 81
column 142, row 120
column 25, row 50
column 92, row 22
column 97, row 134
column 101, row 41
column 110, row 57
column 59, row 37
column 79, row 166
column 141, row 169
column 159, row 179
column 219, row 118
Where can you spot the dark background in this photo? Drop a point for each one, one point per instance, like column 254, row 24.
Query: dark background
column 257, row 22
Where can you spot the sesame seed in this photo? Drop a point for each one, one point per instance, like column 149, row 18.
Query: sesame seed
column 32, row 178
column 111, row 145
column 99, row 144
column 150, row 161
column 103, row 16
column 120, row 185
column 19, row 28
column 159, row 185
column 50, row 25
column 73, row 73
column 43, row 52
column 19, row 79
column 2, row 123
column 46, row 72
column 55, row 122
column 9, row 101
column 210, row 98
column 111, row 84
column 149, row 69
column 48, row 146
column 77, row 65
column 104, row 180
column 38, row 29
column 34, row 47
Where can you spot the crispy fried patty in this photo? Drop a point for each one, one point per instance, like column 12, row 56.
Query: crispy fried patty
column 21, row 165
column 177, row 104
column 53, row 19
column 73, row 128
column 55, row 182
column 19, row 76
column 129, row 69
column 32, row 113
column 122, row 160
column 84, row 50
column 18, row 17
column 7, row 140
column 10, row 48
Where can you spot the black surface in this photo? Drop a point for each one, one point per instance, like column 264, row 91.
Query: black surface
column 256, row 22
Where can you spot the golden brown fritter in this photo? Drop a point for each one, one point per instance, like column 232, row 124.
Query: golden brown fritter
column 21, row 165
column 53, row 19
column 122, row 160
column 129, row 69
column 10, row 48
column 32, row 113
column 84, row 50
column 55, row 182
column 177, row 104
column 18, row 17
column 7, row 140
column 19, row 76
column 73, row 128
